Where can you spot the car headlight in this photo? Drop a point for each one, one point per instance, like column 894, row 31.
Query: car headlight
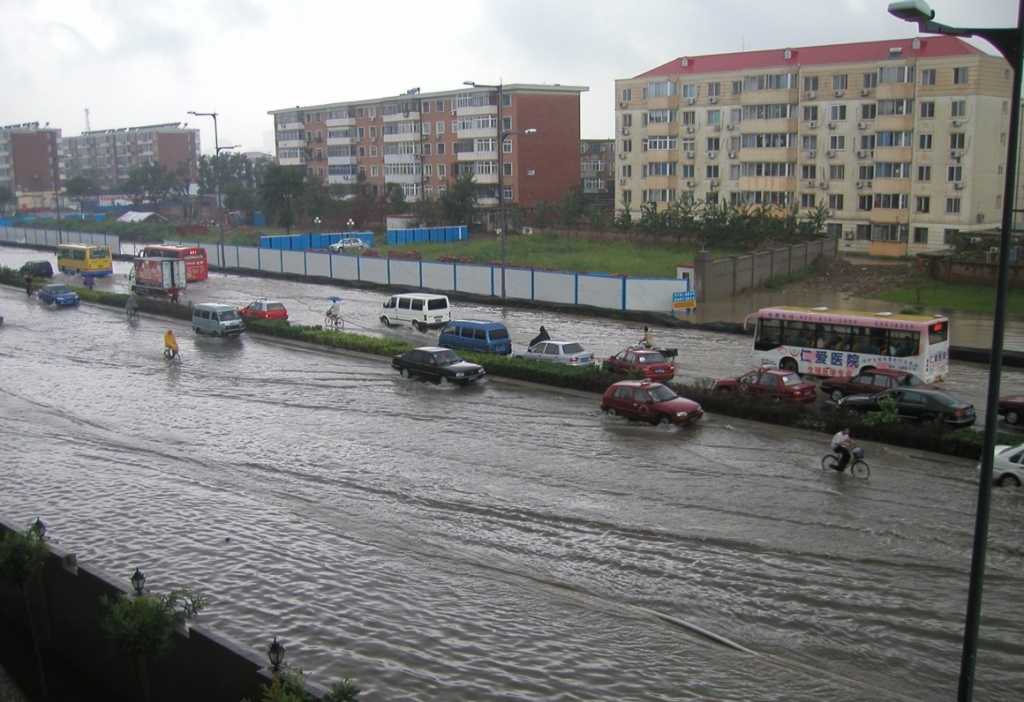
column 681, row 414
column 459, row 375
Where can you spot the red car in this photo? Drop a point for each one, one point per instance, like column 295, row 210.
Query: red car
column 652, row 363
column 1011, row 408
column 870, row 381
column 776, row 383
column 649, row 402
column 264, row 309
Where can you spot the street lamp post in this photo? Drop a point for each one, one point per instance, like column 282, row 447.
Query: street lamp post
column 502, row 136
column 217, row 148
column 1008, row 41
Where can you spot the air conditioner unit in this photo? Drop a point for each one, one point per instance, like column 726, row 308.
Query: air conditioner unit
column 691, row 101
column 839, row 93
column 810, row 184
column 981, row 217
column 976, row 239
column 958, row 186
column 718, row 127
column 862, row 125
column 830, row 213
column 623, row 105
column 713, row 100
column 813, row 124
column 713, row 183
column 957, row 123
column 689, row 130
column 811, row 94
column 831, row 125
column 864, row 92
column 438, row 137
column 823, row 185
column 859, row 184
column 732, row 154
column 993, row 249
column 956, row 153
column 690, row 183
column 622, row 155
column 830, row 154
column 847, row 235
column 712, row 154
column 625, row 131
column 689, row 154
column 622, row 181
column 862, row 154
column 730, row 127
column 812, row 153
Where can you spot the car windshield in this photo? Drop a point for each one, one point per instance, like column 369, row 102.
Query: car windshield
column 274, row 306
column 228, row 315
column 572, row 348
column 913, row 380
column 653, row 357
column 57, row 289
column 662, row 393
column 791, row 379
column 446, row 357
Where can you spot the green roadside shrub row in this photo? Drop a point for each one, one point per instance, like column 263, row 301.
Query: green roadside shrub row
column 966, row 443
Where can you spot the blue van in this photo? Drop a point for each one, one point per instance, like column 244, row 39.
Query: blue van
column 476, row 335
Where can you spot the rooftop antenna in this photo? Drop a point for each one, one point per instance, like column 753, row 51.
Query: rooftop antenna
column 87, row 127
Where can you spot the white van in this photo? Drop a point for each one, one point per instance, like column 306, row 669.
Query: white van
column 217, row 320
column 422, row 311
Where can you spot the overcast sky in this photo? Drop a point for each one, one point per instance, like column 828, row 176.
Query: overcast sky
column 138, row 62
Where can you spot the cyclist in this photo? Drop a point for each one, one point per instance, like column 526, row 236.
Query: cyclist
column 841, row 444
column 131, row 308
column 170, row 345
column 334, row 313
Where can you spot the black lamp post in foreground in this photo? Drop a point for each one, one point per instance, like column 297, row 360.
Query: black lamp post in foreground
column 275, row 652
column 138, row 581
column 1008, row 42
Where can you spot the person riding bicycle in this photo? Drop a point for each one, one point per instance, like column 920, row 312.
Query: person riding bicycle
column 841, row 445
column 170, row 345
column 131, row 308
column 334, row 313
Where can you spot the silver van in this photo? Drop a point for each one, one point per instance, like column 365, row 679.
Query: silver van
column 422, row 311
column 217, row 320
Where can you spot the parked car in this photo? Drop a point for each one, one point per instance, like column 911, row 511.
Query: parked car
column 1007, row 470
column 264, row 309
column 571, row 353
column 778, row 384
column 652, row 363
column 37, row 269
column 350, row 244
column 913, row 403
column 649, row 402
column 870, row 381
column 58, row 294
column 1011, row 408
column 438, row 364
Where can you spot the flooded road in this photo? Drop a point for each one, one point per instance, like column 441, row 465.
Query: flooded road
column 496, row 542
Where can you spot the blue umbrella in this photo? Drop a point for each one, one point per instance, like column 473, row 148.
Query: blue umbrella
column 334, row 298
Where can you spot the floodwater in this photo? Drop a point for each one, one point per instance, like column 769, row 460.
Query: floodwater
column 497, row 542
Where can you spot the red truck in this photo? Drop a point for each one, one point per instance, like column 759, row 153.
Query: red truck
column 158, row 276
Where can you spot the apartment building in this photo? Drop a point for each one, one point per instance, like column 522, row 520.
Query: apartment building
column 597, row 170
column 904, row 141
column 422, row 142
column 30, row 163
column 107, row 156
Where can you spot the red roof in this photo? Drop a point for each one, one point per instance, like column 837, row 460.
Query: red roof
column 868, row 51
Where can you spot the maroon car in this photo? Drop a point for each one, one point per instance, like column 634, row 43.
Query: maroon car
column 649, row 402
column 1011, row 408
column 652, row 363
column 775, row 383
column 870, row 381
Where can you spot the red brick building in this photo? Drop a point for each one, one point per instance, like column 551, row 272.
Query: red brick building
column 30, row 162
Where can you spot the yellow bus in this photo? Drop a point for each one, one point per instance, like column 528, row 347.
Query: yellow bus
column 84, row 260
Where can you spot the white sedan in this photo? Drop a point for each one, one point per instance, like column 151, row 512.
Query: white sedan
column 1007, row 468
column 351, row 244
column 570, row 353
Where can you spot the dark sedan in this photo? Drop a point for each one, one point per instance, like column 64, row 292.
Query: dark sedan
column 1011, row 408
column 437, row 364
column 869, row 382
column 914, row 403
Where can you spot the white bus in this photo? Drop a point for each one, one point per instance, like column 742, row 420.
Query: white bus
column 835, row 343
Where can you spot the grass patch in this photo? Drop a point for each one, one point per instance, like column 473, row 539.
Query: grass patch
column 936, row 294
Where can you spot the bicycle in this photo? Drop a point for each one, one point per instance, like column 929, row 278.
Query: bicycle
column 132, row 313
column 334, row 321
column 858, row 468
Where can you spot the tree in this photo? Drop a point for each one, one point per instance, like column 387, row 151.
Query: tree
column 21, row 557
column 571, row 208
column 152, row 182
column 281, row 187
column 80, row 188
column 458, row 203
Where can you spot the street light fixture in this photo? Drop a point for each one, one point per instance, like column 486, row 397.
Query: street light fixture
column 217, row 148
column 503, row 135
column 1010, row 43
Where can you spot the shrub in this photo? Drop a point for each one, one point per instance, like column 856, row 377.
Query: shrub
column 143, row 625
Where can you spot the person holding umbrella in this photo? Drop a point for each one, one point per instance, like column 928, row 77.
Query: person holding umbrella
column 333, row 316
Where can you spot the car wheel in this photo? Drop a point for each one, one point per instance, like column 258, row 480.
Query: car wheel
column 418, row 327
column 927, row 417
column 1013, row 417
column 611, row 411
column 405, row 372
column 663, row 420
column 1008, row 480
column 836, row 395
column 788, row 364
column 385, row 321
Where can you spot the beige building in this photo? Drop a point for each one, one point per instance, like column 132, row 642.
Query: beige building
column 904, row 141
column 597, row 170
column 423, row 142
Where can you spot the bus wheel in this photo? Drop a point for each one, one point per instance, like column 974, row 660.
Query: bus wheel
column 788, row 364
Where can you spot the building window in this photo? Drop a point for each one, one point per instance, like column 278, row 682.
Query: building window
column 737, row 87
column 924, row 142
column 870, row 80
column 714, row 89
column 506, row 146
column 442, row 170
column 689, row 117
column 956, row 141
column 868, row 110
column 927, row 110
column 426, row 150
column 864, row 232
column 924, row 174
column 960, row 76
column 808, row 142
column 714, row 116
column 627, row 95
column 949, row 236
column 689, row 90
column 362, row 151
column 920, row 235
column 837, row 172
column 839, row 82
column 808, row 171
column 837, row 113
column 958, row 108
column 439, row 128
column 714, row 144
column 428, row 170
column 627, row 146
column 807, row 200
column 373, row 171
column 865, row 202
column 440, row 148
column 687, row 170
column 627, row 171
column 923, row 204
column 952, row 205
column 627, row 119
column 954, row 174
column 837, row 142
column 810, row 113
column 810, row 83
column 928, row 76
column 835, row 202
column 711, row 172
column 506, row 100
